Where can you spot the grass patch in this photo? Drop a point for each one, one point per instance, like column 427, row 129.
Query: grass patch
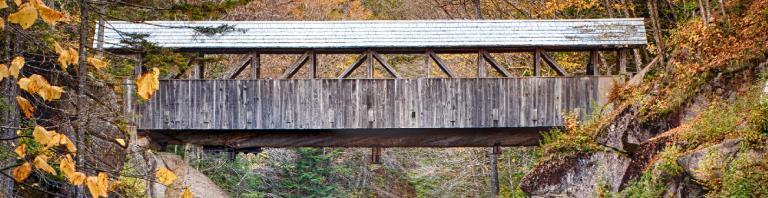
column 575, row 137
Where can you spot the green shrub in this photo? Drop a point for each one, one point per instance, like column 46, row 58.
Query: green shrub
column 575, row 137
column 237, row 177
column 309, row 175
column 653, row 181
column 745, row 176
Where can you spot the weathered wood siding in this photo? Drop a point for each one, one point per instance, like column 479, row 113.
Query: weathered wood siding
column 369, row 103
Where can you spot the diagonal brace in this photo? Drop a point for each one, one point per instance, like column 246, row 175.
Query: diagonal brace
column 295, row 66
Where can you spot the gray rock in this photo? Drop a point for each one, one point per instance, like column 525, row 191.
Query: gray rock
column 199, row 184
column 725, row 152
column 579, row 175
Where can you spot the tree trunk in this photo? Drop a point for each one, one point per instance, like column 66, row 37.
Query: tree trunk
column 9, row 117
column 654, row 12
column 81, row 75
column 478, row 10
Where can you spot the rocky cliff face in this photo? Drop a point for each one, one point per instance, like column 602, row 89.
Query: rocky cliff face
column 636, row 150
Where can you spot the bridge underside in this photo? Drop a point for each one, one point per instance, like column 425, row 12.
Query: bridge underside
column 443, row 137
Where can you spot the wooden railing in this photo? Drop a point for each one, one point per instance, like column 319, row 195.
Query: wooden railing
column 370, row 103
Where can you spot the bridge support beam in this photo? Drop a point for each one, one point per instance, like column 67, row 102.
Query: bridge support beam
column 537, row 62
column 493, row 157
column 594, row 63
column 199, row 71
column 376, row 155
column 621, row 62
column 443, row 137
column 255, row 65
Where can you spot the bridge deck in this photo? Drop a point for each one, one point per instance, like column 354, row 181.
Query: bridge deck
column 344, row 107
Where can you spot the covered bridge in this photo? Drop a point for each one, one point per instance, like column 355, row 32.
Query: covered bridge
column 428, row 111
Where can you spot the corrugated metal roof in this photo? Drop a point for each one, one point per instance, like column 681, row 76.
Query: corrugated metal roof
column 414, row 34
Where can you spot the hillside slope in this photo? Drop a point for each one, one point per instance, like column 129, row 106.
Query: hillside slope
column 695, row 126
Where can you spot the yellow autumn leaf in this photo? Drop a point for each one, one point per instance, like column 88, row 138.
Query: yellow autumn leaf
column 41, row 162
column 4, row 73
column 24, row 84
column 120, row 141
column 67, row 56
column 42, row 136
column 77, row 178
column 49, row 15
column 50, row 93
column 25, row 106
column 68, row 144
column 97, row 185
column 36, row 83
column 165, row 176
column 113, row 186
column 148, row 83
column 25, row 17
column 3, row 4
column 21, row 173
column 17, row 2
column 67, row 166
column 2, row 24
column 73, row 56
column 186, row 193
column 97, row 63
column 21, row 150
column 16, row 65
column 36, row 3
column 63, row 56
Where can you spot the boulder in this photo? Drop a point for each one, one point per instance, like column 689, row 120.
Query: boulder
column 579, row 175
column 199, row 184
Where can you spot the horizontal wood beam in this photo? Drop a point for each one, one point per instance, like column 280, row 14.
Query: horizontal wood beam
column 397, row 50
column 448, row 137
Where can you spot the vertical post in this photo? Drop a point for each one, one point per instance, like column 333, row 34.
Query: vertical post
column 312, row 64
column 621, row 59
column 199, row 71
column 493, row 156
column 481, row 73
column 593, row 63
column 255, row 65
column 369, row 58
column 426, row 63
column 376, row 155
column 537, row 62
column 100, row 35
column 232, row 154
column 137, row 69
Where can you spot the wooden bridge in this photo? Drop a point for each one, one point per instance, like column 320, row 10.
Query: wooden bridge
column 369, row 112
